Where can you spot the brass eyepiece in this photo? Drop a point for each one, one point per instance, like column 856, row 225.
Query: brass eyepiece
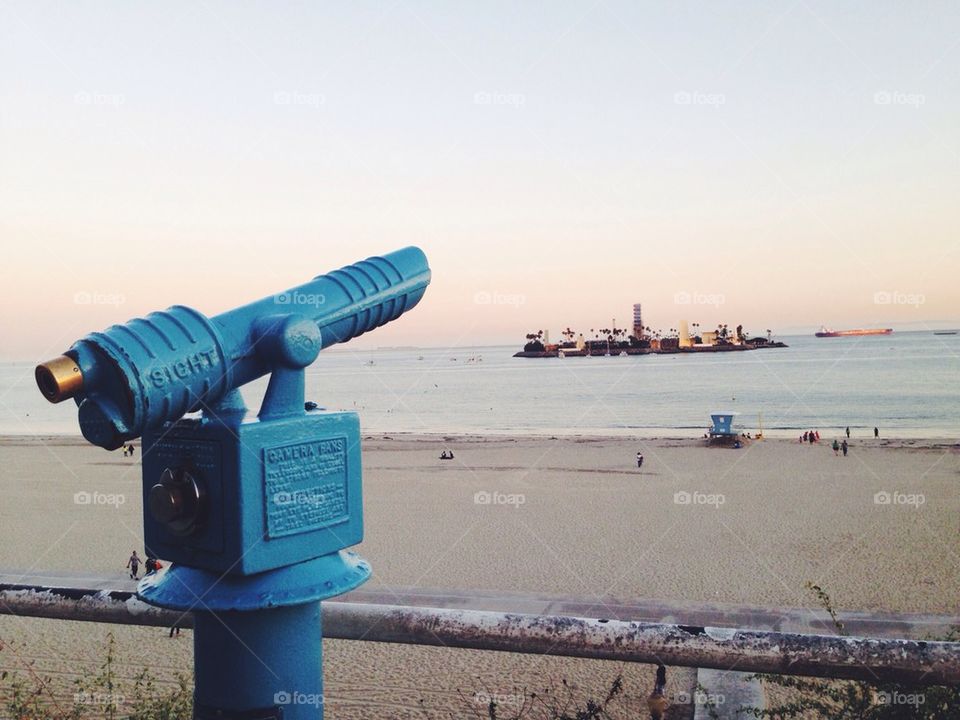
column 59, row 379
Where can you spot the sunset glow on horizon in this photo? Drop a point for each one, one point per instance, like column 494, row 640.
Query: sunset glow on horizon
column 778, row 165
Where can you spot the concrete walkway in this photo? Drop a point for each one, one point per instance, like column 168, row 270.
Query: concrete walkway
column 799, row 620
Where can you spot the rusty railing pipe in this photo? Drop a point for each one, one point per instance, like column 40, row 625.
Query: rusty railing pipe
column 910, row 662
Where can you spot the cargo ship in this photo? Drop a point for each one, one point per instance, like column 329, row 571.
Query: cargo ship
column 826, row 332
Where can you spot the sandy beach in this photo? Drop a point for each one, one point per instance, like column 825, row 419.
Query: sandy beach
column 574, row 516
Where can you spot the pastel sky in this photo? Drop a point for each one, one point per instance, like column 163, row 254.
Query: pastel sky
column 778, row 164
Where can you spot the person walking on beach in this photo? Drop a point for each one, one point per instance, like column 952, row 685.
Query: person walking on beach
column 844, row 447
column 639, row 459
column 848, row 432
column 134, row 564
column 876, row 432
column 811, row 438
column 806, row 435
column 836, row 448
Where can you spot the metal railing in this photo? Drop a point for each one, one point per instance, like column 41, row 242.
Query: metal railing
column 912, row 662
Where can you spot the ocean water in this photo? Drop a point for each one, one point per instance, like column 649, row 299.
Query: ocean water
column 907, row 384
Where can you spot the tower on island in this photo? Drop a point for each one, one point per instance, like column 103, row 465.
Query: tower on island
column 637, row 322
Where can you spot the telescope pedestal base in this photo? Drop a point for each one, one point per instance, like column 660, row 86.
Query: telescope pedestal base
column 257, row 640
column 259, row 665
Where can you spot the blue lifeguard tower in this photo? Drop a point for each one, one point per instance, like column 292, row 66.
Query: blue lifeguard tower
column 723, row 430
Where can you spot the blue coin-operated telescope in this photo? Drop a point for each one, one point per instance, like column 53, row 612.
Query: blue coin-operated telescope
column 254, row 513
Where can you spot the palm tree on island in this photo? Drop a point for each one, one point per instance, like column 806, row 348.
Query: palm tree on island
column 534, row 342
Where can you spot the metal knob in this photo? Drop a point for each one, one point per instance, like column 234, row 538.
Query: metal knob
column 177, row 501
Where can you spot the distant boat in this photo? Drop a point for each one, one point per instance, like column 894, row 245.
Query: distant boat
column 827, row 332
column 945, row 332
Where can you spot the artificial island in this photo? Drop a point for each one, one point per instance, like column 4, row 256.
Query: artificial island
column 687, row 337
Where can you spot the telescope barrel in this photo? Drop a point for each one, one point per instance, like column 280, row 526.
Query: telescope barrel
column 136, row 376
column 344, row 304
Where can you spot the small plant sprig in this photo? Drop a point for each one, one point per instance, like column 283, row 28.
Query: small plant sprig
column 105, row 695
column 856, row 700
column 545, row 705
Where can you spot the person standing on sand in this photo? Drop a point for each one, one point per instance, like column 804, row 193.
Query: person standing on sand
column 657, row 701
column 639, row 459
column 811, row 438
column 848, row 432
column 836, row 447
column 876, row 433
column 845, row 447
column 134, row 564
